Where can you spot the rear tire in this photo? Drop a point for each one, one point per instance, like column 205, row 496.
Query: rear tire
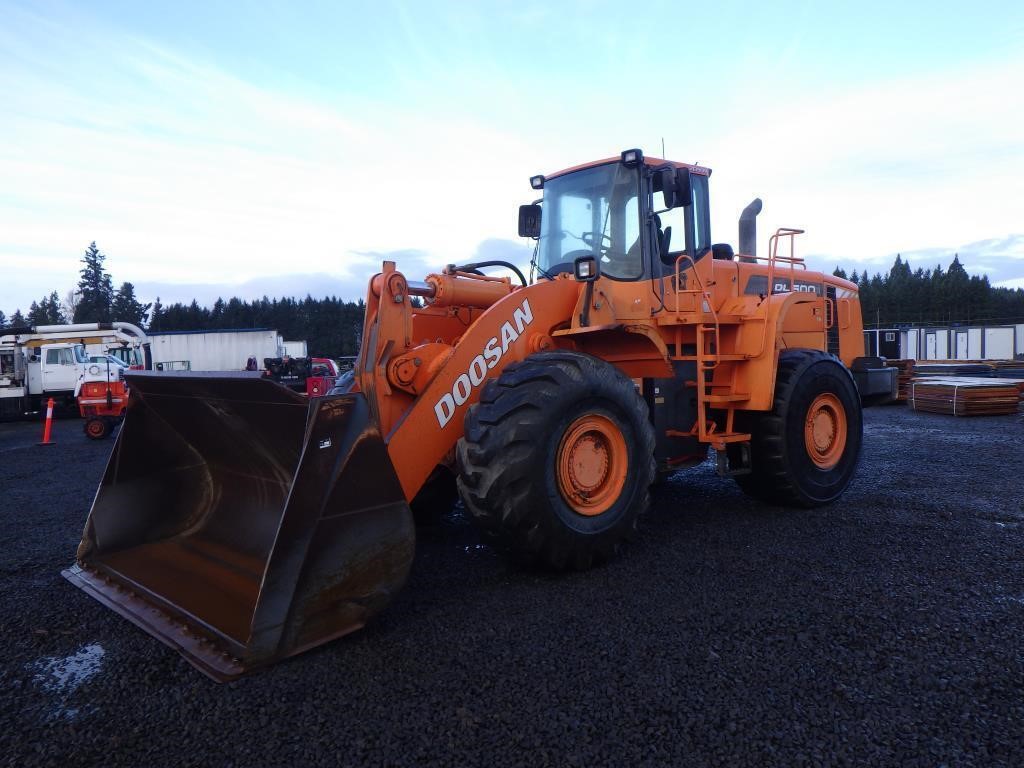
column 557, row 459
column 804, row 452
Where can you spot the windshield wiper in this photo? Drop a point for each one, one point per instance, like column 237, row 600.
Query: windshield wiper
column 538, row 267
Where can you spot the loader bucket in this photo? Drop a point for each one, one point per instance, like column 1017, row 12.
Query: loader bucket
column 240, row 522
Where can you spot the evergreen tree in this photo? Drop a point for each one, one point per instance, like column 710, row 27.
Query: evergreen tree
column 126, row 308
column 957, row 288
column 937, row 309
column 156, row 316
column 57, row 309
column 895, row 290
column 47, row 311
column 3, row 319
column 17, row 318
column 839, row 272
column 95, row 287
column 198, row 316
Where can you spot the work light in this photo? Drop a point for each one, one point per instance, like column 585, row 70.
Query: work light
column 586, row 269
column 632, row 157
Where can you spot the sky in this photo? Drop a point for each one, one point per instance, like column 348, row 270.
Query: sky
column 223, row 148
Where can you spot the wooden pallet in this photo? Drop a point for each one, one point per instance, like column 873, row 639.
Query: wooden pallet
column 953, row 368
column 905, row 373
column 1008, row 369
column 966, row 395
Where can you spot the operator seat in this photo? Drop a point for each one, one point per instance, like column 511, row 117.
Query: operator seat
column 664, row 241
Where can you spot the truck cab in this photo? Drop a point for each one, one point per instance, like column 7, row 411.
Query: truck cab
column 132, row 357
column 31, row 374
column 58, row 368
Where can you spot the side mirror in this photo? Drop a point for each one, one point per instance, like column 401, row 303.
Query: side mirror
column 675, row 186
column 529, row 220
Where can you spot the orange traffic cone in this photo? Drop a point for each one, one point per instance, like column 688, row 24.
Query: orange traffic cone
column 49, row 423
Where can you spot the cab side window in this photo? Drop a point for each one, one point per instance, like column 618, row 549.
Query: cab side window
column 676, row 219
column 53, row 357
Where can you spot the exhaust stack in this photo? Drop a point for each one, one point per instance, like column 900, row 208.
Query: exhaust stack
column 748, row 231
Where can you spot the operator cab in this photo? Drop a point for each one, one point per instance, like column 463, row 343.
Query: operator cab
column 633, row 216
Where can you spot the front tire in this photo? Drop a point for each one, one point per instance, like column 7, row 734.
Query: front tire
column 804, row 452
column 557, row 459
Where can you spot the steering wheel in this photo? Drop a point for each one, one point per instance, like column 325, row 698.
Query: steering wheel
column 596, row 240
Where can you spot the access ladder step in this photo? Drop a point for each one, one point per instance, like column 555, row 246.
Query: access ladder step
column 725, row 398
column 712, row 357
column 718, row 439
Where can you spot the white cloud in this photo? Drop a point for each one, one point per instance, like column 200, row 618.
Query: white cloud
column 186, row 174
column 896, row 166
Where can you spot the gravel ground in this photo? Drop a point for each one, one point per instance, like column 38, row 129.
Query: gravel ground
column 883, row 630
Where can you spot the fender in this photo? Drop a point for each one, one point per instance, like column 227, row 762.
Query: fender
column 764, row 332
column 432, row 426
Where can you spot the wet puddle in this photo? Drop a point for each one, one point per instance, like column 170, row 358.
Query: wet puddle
column 61, row 676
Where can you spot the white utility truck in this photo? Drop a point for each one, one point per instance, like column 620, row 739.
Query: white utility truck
column 37, row 363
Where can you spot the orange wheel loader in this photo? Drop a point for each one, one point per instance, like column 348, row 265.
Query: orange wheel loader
column 240, row 522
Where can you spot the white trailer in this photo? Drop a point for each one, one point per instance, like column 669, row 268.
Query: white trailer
column 976, row 342
column 221, row 350
column 294, row 349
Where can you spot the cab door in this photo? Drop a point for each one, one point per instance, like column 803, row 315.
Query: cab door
column 58, row 368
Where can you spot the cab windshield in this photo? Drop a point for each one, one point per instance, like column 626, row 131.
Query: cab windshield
column 593, row 212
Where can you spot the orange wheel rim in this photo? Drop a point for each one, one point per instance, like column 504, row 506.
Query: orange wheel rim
column 95, row 428
column 825, row 431
column 591, row 464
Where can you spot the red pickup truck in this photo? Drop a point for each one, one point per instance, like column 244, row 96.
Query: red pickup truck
column 323, row 373
column 313, row 375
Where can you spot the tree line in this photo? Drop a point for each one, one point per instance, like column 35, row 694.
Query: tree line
column 333, row 327
column 933, row 296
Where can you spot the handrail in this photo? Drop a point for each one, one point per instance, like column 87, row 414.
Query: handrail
column 705, row 362
column 705, row 298
column 774, row 258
